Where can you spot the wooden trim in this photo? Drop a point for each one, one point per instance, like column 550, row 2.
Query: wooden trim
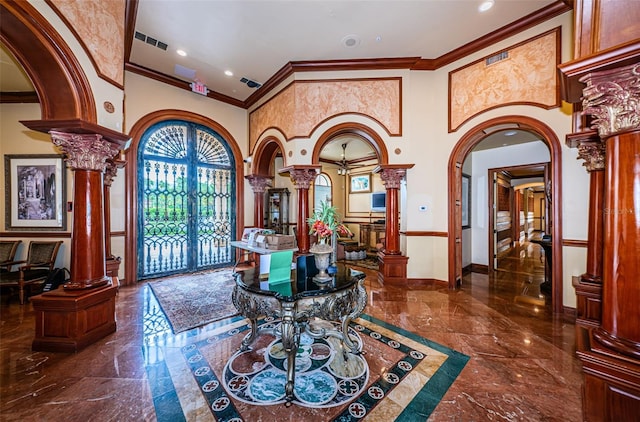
column 415, row 233
column 19, row 97
column 130, row 16
column 57, row 76
column 422, row 282
column 353, row 128
column 178, row 83
column 131, row 174
column 48, row 235
column 119, row 233
column 533, row 19
column 479, row 268
column 575, row 243
column 80, row 40
column 456, row 159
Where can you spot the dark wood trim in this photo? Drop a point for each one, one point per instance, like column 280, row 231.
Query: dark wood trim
column 119, row 233
column 575, row 243
column 131, row 174
column 533, row 19
column 421, row 282
column 456, row 159
column 80, row 40
column 479, row 268
column 573, row 71
column 364, row 132
column 56, row 74
column 48, row 235
column 19, row 97
column 130, row 17
column 178, row 83
column 417, row 233
column 77, row 126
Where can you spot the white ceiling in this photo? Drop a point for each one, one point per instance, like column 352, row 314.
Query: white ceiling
column 256, row 38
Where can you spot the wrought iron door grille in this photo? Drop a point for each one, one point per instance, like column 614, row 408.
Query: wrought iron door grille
column 187, row 200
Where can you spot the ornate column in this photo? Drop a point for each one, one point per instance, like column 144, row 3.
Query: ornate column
column 87, row 155
column 112, row 262
column 393, row 265
column 302, row 178
column 589, row 285
column 612, row 97
column 259, row 184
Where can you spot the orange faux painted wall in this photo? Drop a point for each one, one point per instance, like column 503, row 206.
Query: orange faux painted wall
column 303, row 105
column 100, row 27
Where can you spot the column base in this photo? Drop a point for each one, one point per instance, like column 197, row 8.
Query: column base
column 86, row 284
column 589, row 302
column 611, row 388
column 68, row 321
column 392, row 269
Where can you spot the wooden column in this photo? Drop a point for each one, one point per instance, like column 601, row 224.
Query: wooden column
column 589, row 285
column 393, row 265
column 87, row 155
column 259, row 185
column 302, row 178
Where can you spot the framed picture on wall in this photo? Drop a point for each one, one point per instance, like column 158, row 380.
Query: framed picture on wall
column 35, row 192
column 360, row 183
column 466, row 201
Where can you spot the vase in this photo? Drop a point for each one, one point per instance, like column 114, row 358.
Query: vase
column 322, row 256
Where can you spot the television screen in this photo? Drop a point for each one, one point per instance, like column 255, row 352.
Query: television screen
column 378, row 201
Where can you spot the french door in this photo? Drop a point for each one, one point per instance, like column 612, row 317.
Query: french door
column 186, row 200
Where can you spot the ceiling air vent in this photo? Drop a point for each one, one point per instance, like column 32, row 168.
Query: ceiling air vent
column 151, row 41
column 498, row 57
column 250, row 83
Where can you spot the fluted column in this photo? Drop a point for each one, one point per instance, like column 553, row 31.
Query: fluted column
column 86, row 155
column 302, row 178
column 612, row 98
column 259, row 184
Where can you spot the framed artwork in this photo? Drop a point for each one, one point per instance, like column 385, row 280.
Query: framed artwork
column 360, row 183
column 466, row 201
column 35, row 192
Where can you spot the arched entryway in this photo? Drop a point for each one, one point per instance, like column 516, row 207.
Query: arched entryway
column 458, row 155
column 208, row 129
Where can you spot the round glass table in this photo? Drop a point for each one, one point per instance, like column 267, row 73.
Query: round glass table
column 296, row 303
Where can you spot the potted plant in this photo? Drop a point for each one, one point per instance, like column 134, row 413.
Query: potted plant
column 325, row 224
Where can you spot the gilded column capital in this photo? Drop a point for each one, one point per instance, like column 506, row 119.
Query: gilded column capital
column 85, row 151
column 391, row 178
column 259, row 184
column 612, row 97
column 302, row 176
column 593, row 154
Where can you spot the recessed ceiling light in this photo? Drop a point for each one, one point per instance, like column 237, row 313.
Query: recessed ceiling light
column 485, row 5
column 510, row 133
column 181, row 53
column 228, row 73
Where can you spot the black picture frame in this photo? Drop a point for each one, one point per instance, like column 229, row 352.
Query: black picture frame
column 35, row 192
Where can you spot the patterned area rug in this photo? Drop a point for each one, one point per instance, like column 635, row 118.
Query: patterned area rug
column 370, row 263
column 193, row 300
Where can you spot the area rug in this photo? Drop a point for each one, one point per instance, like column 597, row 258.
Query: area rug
column 371, row 264
column 405, row 378
column 193, row 300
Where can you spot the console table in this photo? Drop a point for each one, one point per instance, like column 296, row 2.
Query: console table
column 343, row 300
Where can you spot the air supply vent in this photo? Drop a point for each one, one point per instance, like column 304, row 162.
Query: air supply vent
column 497, row 58
column 150, row 40
column 250, row 83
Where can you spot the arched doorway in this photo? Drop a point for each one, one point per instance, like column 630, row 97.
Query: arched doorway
column 456, row 160
column 142, row 126
column 186, row 199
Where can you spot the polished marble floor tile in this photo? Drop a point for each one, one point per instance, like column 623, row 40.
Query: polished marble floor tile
column 521, row 358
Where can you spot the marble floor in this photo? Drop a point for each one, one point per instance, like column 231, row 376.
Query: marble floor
column 521, row 366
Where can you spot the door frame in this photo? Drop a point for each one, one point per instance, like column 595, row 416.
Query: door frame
column 131, row 177
column 460, row 151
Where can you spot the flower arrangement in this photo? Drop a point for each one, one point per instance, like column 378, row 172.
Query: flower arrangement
column 325, row 222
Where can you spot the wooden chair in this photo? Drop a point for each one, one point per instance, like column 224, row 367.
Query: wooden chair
column 40, row 261
column 8, row 250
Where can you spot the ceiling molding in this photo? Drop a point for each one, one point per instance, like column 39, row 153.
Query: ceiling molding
column 130, row 16
column 410, row 63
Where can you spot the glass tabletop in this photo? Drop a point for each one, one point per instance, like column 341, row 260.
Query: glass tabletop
column 298, row 285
